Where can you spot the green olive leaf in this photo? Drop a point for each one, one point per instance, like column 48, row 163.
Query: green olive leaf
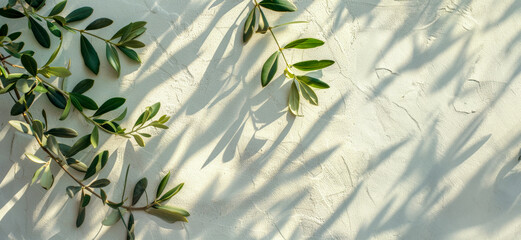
column 313, row 65
column 58, row 8
column 97, row 164
column 279, row 5
column 308, row 94
column 270, row 68
column 94, row 137
column 83, row 86
column 35, row 158
column 294, row 99
column 162, row 185
column 37, row 174
column 21, row 126
column 172, row 192
column 39, row 33
column 47, row 178
column 113, row 58
column 66, row 111
column 113, row 217
column 84, row 101
column 139, row 189
column 312, row 82
column 77, row 165
column 305, row 43
column 99, row 23
column 130, row 53
column 29, row 64
column 62, row 132
column 169, row 214
column 89, row 54
column 249, row 25
column 79, row 14
column 100, row 183
column 110, row 105
column 11, row 13
column 263, row 23
column 72, row 191
column 78, row 146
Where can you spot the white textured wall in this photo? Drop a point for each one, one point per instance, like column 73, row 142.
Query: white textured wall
column 417, row 138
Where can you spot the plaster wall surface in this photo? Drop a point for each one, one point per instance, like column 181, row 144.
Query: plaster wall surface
column 417, row 138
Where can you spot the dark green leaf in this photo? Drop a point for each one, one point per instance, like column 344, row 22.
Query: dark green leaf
column 29, row 64
column 72, row 190
column 75, row 102
column 81, row 217
column 36, row 4
column 83, row 86
column 90, row 57
column 130, row 227
column 58, row 8
column 85, row 200
column 55, row 53
column 97, row 164
column 139, row 189
column 129, row 28
column 77, row 165
column 4, row 30
column 279, row 5
column 249, row 26
column 115, row 205
column 85, row 101
column 162, row 185
column 10, row 13
column 62, row 132
column 39, row 33
column 121, row 116
column 294, row 99
column 99, row 23
column 100, row 183
column 103, row 196
column 312, row 82
column 113, row 58
column 56, row 98
column 133, row 44
column 53, row 145
column 313, row 65
column 108, row 125
column 270, row 68
column 109, row 105
column 305, row 43
column 79, row 14
column 14, row 36
column 38, row 128
column 79, row 145
column 130, row 53
column 171, row 193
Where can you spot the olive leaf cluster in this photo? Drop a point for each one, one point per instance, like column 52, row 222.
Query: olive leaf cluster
column 26, row 81
column 301, row 84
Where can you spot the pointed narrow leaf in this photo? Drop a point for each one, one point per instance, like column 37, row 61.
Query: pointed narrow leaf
column 11, row 13
column 312, row 82
column 162, row 185
column 139, row 140
column 308, row 94
column 81, row 144
column 97, row 164
column 54, row 29
column 66, row 111
column 29, row 64
column 100, row 183
column 58, row 8
column 62, row 132
column 35, row 158
column 313, row 65
column 79, row 14
column 81, row 217
column 133, row 44
column 113, row 58
column 99, row 23
column 58, row 71
column 103, row 196
column 171, row 193
column 85, row 101
column 53, row 145
column 56, row 98
column 39, row 33
column 109, row 105
column 263, row 23
column 77, row 165
column 130, row 227
column 270, row 68
column 47, row 178
column 83, row 86
column 249, row 25
column 279, row 5
column 94, row 137
column 305, row 43
column 37, row 174
column 139, row 189
column 294, row 99
column 121, row 116
column 130, row 53
column 89, row 54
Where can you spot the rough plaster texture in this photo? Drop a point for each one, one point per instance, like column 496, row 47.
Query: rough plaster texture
column 417, row 138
